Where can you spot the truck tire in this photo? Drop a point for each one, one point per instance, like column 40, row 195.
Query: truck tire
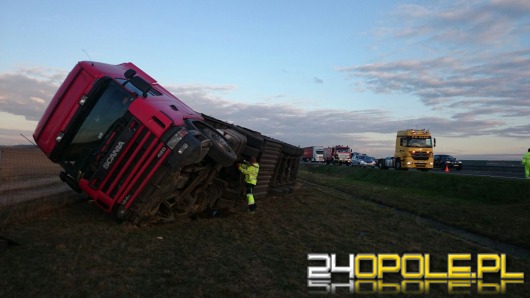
column 254, row 139
column 250, row 151
column 221, row 151
column 398, row 165
column 236, row 140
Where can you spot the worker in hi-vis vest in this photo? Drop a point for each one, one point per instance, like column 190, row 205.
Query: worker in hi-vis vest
column 250, row 170
column 526, row 164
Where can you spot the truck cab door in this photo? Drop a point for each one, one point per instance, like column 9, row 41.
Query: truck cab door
column 403, row 142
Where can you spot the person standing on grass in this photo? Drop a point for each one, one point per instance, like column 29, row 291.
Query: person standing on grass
column 526, row 164
column 250, row 170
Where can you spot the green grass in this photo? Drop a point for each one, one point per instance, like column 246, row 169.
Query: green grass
column 465, row 188
column 494, row 207
column 77, row 250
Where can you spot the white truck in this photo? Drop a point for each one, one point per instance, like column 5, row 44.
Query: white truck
column 313, row 154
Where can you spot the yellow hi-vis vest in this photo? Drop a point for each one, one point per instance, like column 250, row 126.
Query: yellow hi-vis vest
column 251, row 172
column 526, row 159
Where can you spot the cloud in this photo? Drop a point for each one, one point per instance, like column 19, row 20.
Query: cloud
column 28, row 91
column 302, row 127
column 463, row 72
column 500, row 81
column 318, row 80
column 370, row 130
column 463, row 22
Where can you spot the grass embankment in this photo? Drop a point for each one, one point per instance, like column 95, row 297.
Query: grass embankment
column 79, row 251
column 494, row 207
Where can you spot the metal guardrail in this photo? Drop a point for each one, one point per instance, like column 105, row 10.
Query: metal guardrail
column 494, row 165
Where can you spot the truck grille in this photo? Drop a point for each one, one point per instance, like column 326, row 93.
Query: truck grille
column 420, row 155
column 135, row 163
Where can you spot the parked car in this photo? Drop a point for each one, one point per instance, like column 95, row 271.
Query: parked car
column 443, row 160
column 364, row 161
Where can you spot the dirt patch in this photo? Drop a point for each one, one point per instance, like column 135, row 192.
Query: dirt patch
column 25, row 163
column 26, row 174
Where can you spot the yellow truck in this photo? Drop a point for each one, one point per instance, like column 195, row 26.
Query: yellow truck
column 414, row 150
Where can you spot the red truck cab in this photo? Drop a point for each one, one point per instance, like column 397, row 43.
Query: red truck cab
column 117, row 134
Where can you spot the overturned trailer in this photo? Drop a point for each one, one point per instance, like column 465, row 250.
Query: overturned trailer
column 279, row 161
column 145, row 156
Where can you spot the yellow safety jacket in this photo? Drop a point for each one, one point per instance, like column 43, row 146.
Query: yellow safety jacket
column 526, row 159
column 251, row 172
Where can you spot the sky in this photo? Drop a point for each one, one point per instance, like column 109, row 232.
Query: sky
column 309, row 73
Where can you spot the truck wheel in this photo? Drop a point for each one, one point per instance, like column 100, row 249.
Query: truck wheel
column 398, row 165
column 221, row 151
column 250, row 151
column 236, row 140
column 254, row 139
column 164, row 213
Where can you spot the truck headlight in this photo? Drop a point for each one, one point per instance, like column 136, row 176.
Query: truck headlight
column 176, row 138
column 59, row 137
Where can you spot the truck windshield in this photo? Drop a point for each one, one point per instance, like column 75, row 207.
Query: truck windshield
column 109, row 107
column 419, row 142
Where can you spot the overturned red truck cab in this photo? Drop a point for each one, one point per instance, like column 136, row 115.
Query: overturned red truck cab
column 137, row 150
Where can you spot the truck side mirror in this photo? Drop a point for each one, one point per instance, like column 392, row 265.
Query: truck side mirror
column 434, row 142
column 137, row 81
column 129, row 73
column 141, row 84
